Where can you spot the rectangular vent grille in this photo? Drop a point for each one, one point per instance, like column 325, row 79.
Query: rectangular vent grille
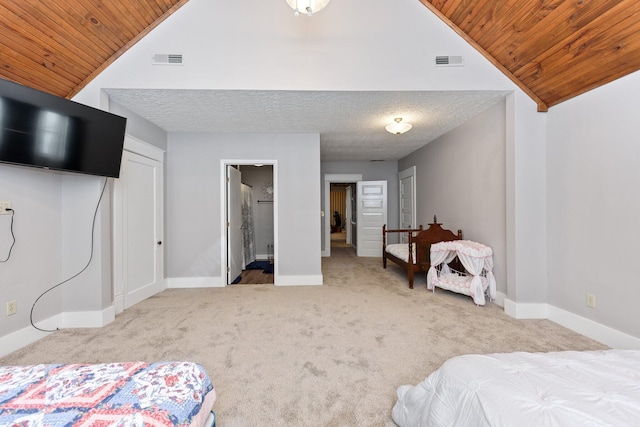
column 167, row 59
column 449, row 61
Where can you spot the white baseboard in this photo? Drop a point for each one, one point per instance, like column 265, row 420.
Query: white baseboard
column 18, row 339
column 194, row 282
column 594, row 330
column 118, row 303
column 500, row 298
column 326, row 253
column 218, row 282
column 526, row 310
column 81, row 319
column 88, row 319
column 298, row 280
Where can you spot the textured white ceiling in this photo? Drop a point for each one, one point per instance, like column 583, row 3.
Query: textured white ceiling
column 350, row 124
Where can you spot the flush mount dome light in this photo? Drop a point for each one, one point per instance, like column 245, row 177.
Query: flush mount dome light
column 397, row 127
column 307, row 6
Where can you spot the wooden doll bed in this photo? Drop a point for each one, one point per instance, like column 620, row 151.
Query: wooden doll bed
column 415, row 254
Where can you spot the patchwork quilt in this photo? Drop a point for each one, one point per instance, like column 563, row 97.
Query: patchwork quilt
column 109, row 394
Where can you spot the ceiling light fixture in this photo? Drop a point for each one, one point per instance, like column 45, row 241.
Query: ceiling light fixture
column 397, row 127
column 307, row 6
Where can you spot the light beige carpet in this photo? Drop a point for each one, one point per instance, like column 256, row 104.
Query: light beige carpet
column 339, row 240
column 329, row 355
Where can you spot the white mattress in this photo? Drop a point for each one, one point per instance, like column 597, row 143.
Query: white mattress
column 599, row 388
column 401, row 250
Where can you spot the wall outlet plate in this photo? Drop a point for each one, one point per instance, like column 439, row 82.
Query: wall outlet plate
column 12, row 307
column 591, row 301
column 4, row 205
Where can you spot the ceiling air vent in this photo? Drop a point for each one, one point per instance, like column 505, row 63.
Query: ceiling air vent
column 167, row 59
column 449, row 61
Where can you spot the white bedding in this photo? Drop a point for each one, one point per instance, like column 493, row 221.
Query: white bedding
column 597, row 388
column 401, row 250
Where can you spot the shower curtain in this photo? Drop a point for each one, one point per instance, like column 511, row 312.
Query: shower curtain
column 248, row 227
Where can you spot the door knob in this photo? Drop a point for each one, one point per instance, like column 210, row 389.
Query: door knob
column 159, row 242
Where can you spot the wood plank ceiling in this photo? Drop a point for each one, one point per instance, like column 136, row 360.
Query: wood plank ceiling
column 552, row 49
column 58, row 46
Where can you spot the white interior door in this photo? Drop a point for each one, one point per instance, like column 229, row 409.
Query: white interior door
column 234, row 224
column 407, row 179
column 372, row 215
column 138, row 206
column 346, row 221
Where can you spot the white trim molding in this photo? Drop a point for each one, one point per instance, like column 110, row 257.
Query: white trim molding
column 526, row 310
column 194, row 282
column 299, row 280
column 25, row 336
column 66, row 320
column 143, row 148
column 590, row 329
column 88, row 319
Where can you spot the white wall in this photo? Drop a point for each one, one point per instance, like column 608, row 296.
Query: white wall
column 258, row 44
column 526, row 203
column 194, row 201
column 594, row 204
column 36, row 261
column 140, row 128
column 53, row 221
column 460, row 177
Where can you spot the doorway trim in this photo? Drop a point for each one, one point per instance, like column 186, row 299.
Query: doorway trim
column 328, row 179
column 223, row 214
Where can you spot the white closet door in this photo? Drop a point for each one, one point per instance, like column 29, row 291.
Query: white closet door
column 139, row 217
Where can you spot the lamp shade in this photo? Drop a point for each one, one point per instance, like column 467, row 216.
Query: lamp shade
column 397, row 127
column 307, row 6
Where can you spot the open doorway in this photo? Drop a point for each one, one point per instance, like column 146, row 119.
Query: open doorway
column 341, row 206
column 344, row 179
column 369, row 213
column 250, row 224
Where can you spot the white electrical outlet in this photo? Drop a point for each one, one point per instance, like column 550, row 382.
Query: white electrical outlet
column 4, row 205
column 591, row 301
column 12, row 307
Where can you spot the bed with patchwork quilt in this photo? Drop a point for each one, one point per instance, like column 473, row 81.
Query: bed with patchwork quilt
column 108, row 394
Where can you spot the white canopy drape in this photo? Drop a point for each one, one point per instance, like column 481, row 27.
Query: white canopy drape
column 474, row 256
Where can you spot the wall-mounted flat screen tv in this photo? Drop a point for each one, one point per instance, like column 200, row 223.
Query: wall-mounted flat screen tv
column 43, row 130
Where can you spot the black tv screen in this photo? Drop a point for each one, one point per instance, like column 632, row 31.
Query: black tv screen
column 43, row 130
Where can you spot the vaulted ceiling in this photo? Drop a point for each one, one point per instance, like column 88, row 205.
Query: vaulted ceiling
column 552, row 49
column 59, row 46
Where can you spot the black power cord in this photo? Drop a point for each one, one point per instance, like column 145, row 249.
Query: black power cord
column 93, row 226
column 12, row 235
